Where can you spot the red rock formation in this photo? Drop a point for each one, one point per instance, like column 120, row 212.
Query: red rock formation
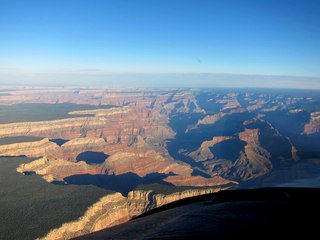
column 197, row 181
column 231, row 104
column 114, row 209
column 113, row 124
column 256, row 105
column 211, row 119
column 314, row 125
column 143, row 163
column 204, row 153
column 254, row 161
column 29, row 149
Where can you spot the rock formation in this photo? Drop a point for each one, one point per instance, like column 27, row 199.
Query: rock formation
column 29, row 149
column 197, row 181
column 314, row 125
column 254, row 161
column 114, row 209
column 204, row 153
column 211, row 119
column 115, row 125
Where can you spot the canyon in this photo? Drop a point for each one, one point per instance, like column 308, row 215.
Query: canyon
column 137, row 142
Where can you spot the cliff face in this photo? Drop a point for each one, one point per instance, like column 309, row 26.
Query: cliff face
column 211, row 119
column 121, row 125
column 197, row 181
column 229, row 104
column 109, row 211
column 115, row 209
column 143, row 163
column 314, row 125
column 58, row 169
column 29, row 149
column 254, row 161
column 203, row 153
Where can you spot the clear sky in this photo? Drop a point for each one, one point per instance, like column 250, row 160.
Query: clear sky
column 94, row 40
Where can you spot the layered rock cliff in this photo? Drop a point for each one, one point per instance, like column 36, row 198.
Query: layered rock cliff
column 197, row 181
column 29, row 149
column 211, row 119
column 254, row 160
column 58, row 169
column 114, row 209
column 314, row 124
column 109, row 211
column 142, row 163
column 121, row 125
column 204, row 153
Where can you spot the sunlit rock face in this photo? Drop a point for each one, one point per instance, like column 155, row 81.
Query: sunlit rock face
column 314, row 125
column 115, row 209
column 203, row 153
column 115, row 125
column 254, row 160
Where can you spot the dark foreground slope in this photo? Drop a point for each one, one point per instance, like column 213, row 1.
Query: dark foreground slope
column 251, row 214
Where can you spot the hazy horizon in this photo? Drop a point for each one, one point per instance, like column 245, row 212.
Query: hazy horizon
column 163, row 80
column 161, row 43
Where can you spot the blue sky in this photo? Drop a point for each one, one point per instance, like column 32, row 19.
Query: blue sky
column 59, row 40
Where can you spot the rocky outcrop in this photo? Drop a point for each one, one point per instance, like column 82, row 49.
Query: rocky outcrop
column 255, row 105
column 58, row 169
column 120, row 125
column 254, row 161
column 211, row 119
column 270, row 109
column 115, row 209
column 314, row 125
column 204, row 153
column 186, row 103
column 109, row 211
column 143, row 163
column 229, row 103
column 103, row 112
column 197, row 181
column 29, row 149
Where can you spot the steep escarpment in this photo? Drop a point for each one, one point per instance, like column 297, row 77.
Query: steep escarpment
column 245, row 157
column 229, row 103
column 314, row 124
column 29, row 149
column 109, row 211
column 204, row 153
column 58, row 169
column 211, row 119
column 198, row 181
column 254, row 161
column 115, row 125
column 114, row 209
column 143, row 163
column 214, row 118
